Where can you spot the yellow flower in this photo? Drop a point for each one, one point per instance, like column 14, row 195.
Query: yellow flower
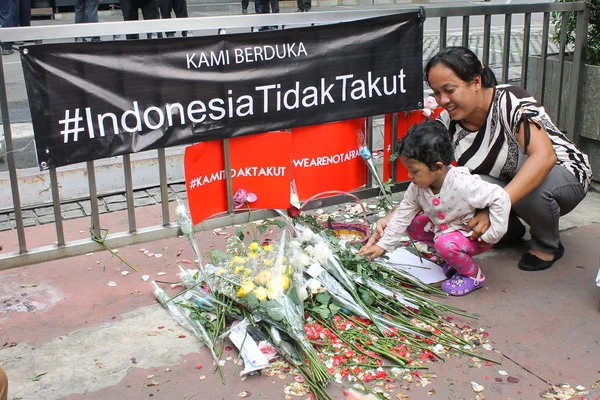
column 238, row 269
column 238, row 260
column 246, row 288
column 254, row 246
column 252, row 254
column 263, row 277
column 268, row 262
column 261, row 293
column 280, row 283
column 273, row 294
column 268, row 247
column 247, row 272
column 221, row 271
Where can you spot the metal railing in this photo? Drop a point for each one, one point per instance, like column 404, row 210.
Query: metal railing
column 60, row 248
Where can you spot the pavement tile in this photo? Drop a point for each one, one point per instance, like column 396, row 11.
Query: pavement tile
column 46, row 219
column 70, row 207
column 116, row 206
column 8, row 225
column 115, row 199
column 27, row 222
column 178, row 187
column 146, row 201
column 41, row 211
column 73, row 214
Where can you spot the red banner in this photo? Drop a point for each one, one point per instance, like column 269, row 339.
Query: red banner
column 405, row 121
column 260, row 164
column 325, row 157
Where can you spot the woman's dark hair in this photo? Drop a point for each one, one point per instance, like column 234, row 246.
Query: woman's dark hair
column 427, row 142
column 464, row 63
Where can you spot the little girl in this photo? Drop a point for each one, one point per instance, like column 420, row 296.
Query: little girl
column 448, row 197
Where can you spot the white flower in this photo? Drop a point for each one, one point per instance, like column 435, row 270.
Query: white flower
column 321, row 252
column 307, row 235
column 314, row 286
column 427, row 112
column 430, row 103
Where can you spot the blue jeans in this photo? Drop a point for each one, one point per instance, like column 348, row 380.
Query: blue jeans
column 15, row 13
column 86, row 11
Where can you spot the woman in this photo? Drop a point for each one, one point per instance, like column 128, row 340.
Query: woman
column 504, row 135
column 3, row 385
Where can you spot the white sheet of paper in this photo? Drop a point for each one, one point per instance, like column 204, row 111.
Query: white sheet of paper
column 426, row 271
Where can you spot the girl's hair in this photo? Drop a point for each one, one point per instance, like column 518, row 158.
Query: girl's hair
column 465, row 65
column 429, row 143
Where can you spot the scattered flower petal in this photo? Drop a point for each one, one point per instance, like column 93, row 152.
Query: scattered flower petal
column 145, row 277
column 476, row 387
column 112, row 283
column 160, row 273
column 124, row 273
column 512, row 379
column 244, row 394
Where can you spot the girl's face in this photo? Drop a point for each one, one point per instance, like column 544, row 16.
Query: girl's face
column 420, row 174
column 455, row 95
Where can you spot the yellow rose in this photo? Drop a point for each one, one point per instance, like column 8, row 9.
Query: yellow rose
column 280, row 283
column 263, row 277
column 238, row 269
column 254, row 246
column 268, row 262
column 273, row 294
column 246, row 288
column 261, row 293
column 252, row 254
column 268, row 247
column 221, row 271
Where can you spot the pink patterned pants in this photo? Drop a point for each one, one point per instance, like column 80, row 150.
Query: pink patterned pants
column 453, row 247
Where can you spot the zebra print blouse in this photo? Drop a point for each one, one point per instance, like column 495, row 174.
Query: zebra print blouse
column 493, row 150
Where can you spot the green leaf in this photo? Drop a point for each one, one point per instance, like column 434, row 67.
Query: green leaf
column 262, row 229
column 334, row 308
column 239, row 232
column 366, row 297
column 252, row 300
column 323, row 298
column 275, row 312
column 324, row 313
column 330, row 223
column 38, row 376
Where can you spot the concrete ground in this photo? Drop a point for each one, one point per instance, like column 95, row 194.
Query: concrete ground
column 95, row 341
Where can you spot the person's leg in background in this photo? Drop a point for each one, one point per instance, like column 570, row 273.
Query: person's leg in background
column 165, row 7
column 25, row 13
column 91, row 14
column 180, row 10
column 262, row 7
column 9, row 18
column 150, row 10
column 130, row 13
column 245, row 4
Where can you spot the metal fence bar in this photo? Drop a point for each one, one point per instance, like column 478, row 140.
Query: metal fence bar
column 526, row 43
column 583, row 18
column 443, row 32
column 164, row 188
column 393, row 149
column 60, row 234
column 228, row 177
column 465, row 31
column 506, row 49
column 564, row 19
column 10, row 159
column 541, row 76
column 91, row 171
column 127, row 174
column 487, row 28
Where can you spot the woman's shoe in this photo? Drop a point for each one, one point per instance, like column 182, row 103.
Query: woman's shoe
column 460, row 285
column 529, row 262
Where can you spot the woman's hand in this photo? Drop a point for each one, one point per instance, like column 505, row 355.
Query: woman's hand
column 372, row 251
column 479, row 223
column 379, row 228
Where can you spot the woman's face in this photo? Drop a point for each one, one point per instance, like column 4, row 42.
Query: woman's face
column 455, row 95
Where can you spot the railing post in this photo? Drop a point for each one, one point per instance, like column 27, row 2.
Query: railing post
column 578, row 62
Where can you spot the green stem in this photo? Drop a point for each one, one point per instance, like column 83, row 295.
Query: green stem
column 101, row 240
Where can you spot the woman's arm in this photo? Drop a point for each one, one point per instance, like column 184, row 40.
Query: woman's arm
column 541, row 159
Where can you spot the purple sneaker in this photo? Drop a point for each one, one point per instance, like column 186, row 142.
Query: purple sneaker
column 448, row 270
column 460, row 285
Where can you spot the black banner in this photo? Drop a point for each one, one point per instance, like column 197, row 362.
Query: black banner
column 97, row 100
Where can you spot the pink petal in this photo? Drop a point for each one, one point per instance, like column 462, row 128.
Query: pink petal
column 251, row 198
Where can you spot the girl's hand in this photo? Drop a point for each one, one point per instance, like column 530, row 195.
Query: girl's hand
column 372, row 251
column 479, row 223
column 379, row 228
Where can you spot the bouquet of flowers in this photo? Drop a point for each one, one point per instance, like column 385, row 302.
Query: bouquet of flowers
column 261, row 279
